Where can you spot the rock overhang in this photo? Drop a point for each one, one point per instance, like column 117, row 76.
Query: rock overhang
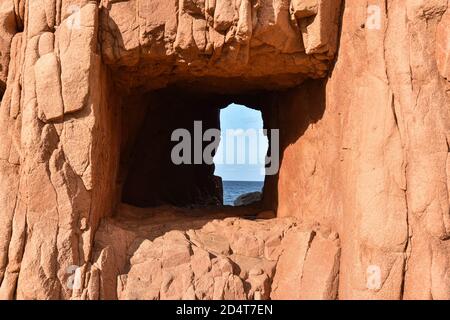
column 218, row 45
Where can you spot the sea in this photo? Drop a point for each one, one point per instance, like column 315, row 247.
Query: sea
column 233, row 189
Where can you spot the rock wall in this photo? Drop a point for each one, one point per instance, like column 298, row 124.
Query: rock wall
column 364, row 151
column 59, row 150
column 371, row 156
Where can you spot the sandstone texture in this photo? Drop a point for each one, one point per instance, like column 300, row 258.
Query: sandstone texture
column 91, row 208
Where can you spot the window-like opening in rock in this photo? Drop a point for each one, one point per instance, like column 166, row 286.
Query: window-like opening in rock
column 240, row 158
column 149, row 176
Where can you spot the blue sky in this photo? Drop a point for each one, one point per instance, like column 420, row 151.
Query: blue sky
column 240, row 117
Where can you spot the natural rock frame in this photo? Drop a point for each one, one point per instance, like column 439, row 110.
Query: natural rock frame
column 366, row 153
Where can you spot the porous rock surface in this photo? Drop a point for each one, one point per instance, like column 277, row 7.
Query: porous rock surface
column 359, row 88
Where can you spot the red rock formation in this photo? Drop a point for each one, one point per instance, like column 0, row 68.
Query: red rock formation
column 360, row 92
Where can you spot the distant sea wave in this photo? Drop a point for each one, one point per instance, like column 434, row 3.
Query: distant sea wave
column 233, row 189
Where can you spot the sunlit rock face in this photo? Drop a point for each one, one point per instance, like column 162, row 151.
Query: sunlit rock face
column 256, row 43
column 358, row 210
